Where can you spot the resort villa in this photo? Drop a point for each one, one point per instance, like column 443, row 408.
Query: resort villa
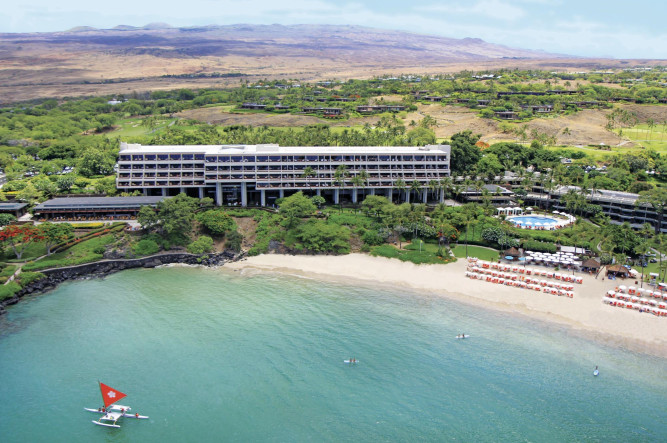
column 259, row 174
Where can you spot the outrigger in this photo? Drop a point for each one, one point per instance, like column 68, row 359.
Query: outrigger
column 111, row 411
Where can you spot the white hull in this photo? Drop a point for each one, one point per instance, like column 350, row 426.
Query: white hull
column 108, row 425
column 143, row 417
column 460, row 337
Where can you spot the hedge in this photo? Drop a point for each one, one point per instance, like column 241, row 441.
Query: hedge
column 532, row 245
column 25, row 278
column 8, row 290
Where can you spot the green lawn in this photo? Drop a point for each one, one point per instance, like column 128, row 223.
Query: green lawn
column 475, row 251
column 33, row 250
column 83, row 252
column 411, row 253
column 132, row 127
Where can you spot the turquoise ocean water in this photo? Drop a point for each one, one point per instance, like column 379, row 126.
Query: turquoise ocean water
column 212, row 355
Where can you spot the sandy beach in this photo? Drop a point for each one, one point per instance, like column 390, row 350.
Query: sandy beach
column 584, row 314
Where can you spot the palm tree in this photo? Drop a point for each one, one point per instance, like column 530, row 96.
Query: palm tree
column 308, row 172
column 356, row 181
column 433, row 185
column 340, row 175
column 445, row 186
column 400, row 185
column 468, row 217
column 363, row 176
column 657, row 199
column 415, row 186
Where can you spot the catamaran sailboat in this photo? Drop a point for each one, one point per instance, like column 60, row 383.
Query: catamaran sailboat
column 112, row 411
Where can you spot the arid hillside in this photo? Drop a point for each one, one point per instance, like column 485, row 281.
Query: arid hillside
column 87, row 61
column 583, row 128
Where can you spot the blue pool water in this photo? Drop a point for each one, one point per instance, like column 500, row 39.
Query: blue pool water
column 523, row 219
column 212, row 355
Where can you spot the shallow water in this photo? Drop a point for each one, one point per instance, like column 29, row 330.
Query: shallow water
column 211, row 355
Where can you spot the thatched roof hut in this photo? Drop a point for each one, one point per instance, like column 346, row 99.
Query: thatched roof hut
column 618, row 271
column 590, row 265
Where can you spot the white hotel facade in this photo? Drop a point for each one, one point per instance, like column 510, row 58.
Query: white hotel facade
column 259, row 174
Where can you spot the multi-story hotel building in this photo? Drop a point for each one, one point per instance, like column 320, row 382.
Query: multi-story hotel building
column 621, row 207
column 258, row 174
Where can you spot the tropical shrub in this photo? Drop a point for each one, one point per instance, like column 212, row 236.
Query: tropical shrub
column 216, row 221
column 234, row 240
column 202, row 245
column 145, row 247
column 318, row 236
column 8, row 290
column 372, row 238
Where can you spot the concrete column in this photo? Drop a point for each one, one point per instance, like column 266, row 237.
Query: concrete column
column 262, row 197
column 354, row 196
column 389, row 194
column 425, row 196
column 244, row 194
column 336, row 196
column 319, row 192
column 201, row 193
column 218, row 194
column 442, row 196
column 407, row 196
column 372, row 191
column 164, row 192
column 145, row 191
column 183, row 191
column 282, row 193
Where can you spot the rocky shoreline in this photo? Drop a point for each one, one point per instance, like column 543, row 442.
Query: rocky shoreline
column 99, row 269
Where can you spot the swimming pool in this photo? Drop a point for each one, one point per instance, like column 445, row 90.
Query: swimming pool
column 532, row 220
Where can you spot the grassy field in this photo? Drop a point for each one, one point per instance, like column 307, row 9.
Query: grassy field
column 33, row 251
column 426, row 253
column 84, row 252
column 475, row 251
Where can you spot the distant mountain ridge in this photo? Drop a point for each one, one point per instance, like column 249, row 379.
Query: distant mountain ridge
column 349, row 44
column 128, row 59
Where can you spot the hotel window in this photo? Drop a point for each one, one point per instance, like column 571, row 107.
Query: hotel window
column 137, row 158
column 199, row 156
column 262, row 158
column 125, row 158
column 162, row 157
column 237, row 158
column 249, row 158
column 174, row 156
column 150, row 157
column 188, row 156
column 274, row 158
column 211, row 159
column 137, row 166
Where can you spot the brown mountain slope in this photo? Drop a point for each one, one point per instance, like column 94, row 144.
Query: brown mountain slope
column 87, row 61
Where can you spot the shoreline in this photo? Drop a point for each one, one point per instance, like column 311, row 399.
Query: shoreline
column 584, row 315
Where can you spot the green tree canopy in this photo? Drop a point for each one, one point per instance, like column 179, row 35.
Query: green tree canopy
column 465, row 154
column 296, row 206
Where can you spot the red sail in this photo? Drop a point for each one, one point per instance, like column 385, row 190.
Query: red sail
column 110, row 395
